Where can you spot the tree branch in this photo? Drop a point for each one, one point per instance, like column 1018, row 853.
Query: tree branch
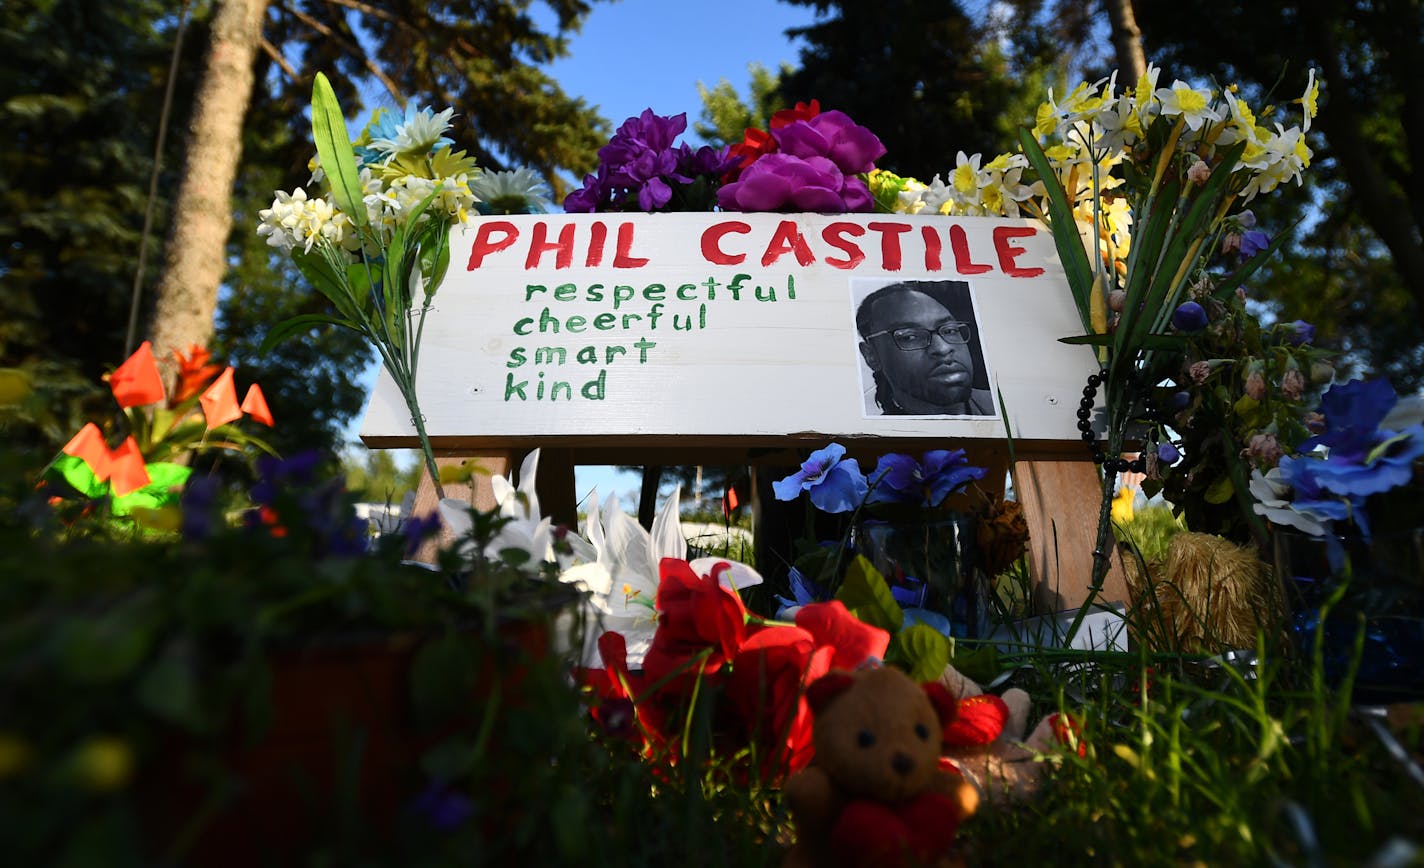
column 349, row 46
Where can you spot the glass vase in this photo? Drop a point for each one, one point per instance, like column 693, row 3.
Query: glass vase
column 929, row 565
column 1347, row 588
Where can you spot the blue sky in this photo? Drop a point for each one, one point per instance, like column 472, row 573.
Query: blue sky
column 638, row 54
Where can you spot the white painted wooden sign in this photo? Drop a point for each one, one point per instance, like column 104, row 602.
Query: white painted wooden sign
column 750, row 325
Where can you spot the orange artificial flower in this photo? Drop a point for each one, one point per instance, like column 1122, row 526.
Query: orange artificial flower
column 255, row 405
column 220, row 401
column 127, row 472
column 136, row 382
column 194, row 372
column 89, row 446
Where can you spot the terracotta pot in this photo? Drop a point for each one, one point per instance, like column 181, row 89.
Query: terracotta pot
column 344, row 745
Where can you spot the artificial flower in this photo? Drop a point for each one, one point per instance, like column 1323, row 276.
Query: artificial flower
column 254, row 404
column 514, row 192
column 701, row 625
column 941, row 472
column 833, row 625
column 1189, row 317
column 767, row 687
column 194, row 373
column 781, row 182
column 419, row 131
column 834, row 482
column 127, row 472
column 137, row 383
column 219, row 401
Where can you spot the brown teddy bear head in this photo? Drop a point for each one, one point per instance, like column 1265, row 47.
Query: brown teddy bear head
column 877, row 733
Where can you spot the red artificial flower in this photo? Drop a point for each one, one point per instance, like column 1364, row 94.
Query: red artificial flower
column 755, row 143
column 89, row 446
column 1069, row 733
column 767, row 687
column 979, row 722
column 126, row 469
column 854, row 640
column 220, row 401
column 802, row 111
column 255, row 405
column 698, row 618
column 136, row 382
column 194, row 372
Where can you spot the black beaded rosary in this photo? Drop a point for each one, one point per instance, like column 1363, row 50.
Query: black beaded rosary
column 1116, row 464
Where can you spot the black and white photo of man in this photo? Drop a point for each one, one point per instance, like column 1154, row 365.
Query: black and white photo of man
column 920, row 341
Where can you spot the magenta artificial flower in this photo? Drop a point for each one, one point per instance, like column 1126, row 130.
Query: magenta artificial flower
column 833, row 135
column 783, row 182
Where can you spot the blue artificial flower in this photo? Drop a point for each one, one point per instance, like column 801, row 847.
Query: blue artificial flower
column 1189, row 317
column 1253, row 241
column 1168, row 454
column 1300, row 332
column 804, row 592
column 1353, row 412
column 941, row 472
column 835, row 482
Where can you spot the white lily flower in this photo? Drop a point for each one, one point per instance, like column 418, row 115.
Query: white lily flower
column 622, row 581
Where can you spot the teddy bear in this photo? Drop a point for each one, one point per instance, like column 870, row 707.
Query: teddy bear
column 876, row 794
column 986, row 743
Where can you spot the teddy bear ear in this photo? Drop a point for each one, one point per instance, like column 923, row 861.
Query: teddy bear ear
column 827, row 688
column 944, row 702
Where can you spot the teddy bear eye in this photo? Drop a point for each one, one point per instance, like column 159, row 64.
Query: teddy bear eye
column 922, row 731
column 865, row 738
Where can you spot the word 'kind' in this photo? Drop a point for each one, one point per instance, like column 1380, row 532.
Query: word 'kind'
column 846, row 244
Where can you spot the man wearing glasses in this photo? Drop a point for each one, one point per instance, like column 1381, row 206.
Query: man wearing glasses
column 918, row 339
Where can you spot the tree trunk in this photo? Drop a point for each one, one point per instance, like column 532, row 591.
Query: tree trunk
column 1127, row 41
column 187, row 293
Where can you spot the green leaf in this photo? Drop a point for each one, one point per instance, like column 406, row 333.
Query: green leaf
column 164, row 489
column 1220, row 491
column 169, row 689
column 333, row 144
column 300, row 324
column 1173, row 270
column 1150, row 342
column 924, row 650
column 335, row 285
column 865, row 593
column 79, row 475
column 1065, row 230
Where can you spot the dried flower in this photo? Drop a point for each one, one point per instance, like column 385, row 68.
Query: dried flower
column 1292, row 383
column 1256, row 383
column 1199, row 372
column 1002, row 533
column 1265, row 448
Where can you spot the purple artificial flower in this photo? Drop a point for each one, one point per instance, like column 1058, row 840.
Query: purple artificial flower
column 1300, row 332
column 1189, row 317
column 443, row 807
column 902, row 479
column 640, row 167
column 781, row 182
column 833, row 135
column 835, row 482
column 417, row 529
column 1168, row 454
column 1180, row 401
column 1253, row 241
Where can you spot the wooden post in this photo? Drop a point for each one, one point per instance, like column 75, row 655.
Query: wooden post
column 1060, row 499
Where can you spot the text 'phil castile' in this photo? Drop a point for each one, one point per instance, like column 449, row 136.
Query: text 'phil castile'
column 887, row 245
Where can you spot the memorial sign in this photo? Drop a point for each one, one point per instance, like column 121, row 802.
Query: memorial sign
column 571, row 328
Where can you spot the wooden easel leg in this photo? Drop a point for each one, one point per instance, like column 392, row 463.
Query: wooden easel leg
column 478, row 492
column 1060, row 501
